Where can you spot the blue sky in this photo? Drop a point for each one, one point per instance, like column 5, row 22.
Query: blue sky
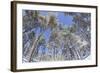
column 65, row 20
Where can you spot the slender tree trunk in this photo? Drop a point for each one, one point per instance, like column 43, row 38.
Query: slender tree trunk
column 34, row 47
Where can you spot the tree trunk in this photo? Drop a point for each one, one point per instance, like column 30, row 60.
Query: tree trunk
column 33, row 48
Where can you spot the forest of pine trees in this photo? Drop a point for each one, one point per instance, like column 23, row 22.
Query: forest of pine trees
column 47, row 39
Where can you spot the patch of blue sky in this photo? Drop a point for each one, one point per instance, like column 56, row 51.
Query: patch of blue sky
column 61, row 17
column 37, row 31
column 47, row 34
column 64, row 20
